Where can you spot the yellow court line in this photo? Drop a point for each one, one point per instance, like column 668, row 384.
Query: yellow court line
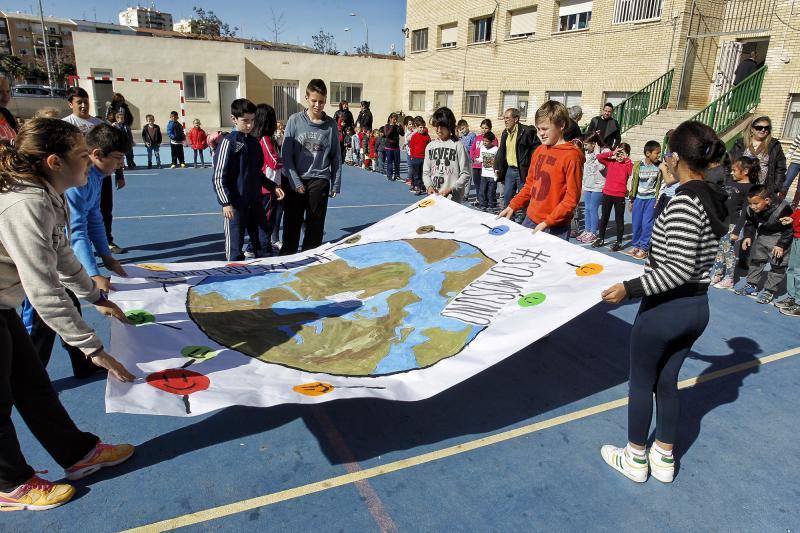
column 353, row 477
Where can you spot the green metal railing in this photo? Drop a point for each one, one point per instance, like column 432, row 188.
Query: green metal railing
column 642, row 104
column 730, row 108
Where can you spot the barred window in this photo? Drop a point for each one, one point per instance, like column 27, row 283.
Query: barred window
column 637, row 10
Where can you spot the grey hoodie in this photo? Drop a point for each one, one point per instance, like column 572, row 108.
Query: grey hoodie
column 36, row 260
column 447, row 165
column 312, row 150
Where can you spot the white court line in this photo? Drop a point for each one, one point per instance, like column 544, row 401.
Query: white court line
column 141, row 174
column 219, row 213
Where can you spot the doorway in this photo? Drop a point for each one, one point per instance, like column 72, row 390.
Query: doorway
column 284, row 98
column 732, row 53
column 228, row 92
column 103, row 92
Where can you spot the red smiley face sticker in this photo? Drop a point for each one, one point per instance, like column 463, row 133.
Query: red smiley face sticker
column 179, row 381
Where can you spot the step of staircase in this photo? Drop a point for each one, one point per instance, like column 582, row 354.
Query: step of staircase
column 655, row 127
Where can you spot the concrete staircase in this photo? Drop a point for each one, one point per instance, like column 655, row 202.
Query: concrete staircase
column 654, row 128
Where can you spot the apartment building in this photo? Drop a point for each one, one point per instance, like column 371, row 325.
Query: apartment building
column 145, row 17
column 23, row 38
column 480, row 57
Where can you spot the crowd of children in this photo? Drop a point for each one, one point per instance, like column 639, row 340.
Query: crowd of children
column 690, row 208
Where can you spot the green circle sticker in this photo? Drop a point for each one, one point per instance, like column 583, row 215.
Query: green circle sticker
column 140, row 316
column 198, row 352
column 532, row 299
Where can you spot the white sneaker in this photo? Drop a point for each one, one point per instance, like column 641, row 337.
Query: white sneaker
column 626, row 463
column 249, row 255
column 662, row 467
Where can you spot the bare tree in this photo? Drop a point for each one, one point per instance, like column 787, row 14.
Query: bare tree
column 324, row 42
column 277, row 25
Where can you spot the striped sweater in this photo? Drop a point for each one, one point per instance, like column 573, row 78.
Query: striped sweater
column 682, row 250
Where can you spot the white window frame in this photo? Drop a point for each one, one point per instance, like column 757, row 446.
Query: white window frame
column 448, row 97
column 518, row 97
column 190, row 86
column 528, row 11
column 480, row 30
column 412, row 95
column 416, row 37
column 568, row 98
column 345, row 90
column 579, row 9
column 627, row 11
column 450, row 42
column 792, row 126
column 472, row 96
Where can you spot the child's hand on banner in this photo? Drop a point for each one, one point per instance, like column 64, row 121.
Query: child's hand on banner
column 614, row 294
column 114, row 367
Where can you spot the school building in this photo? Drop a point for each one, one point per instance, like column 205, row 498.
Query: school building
column 215, row 71
column 672, row 58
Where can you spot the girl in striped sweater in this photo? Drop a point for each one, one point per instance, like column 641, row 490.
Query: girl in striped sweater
column 674, row 309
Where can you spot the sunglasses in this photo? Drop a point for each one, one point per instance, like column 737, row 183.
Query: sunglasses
column 762, row 128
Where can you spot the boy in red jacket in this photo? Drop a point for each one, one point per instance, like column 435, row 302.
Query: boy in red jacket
column 618, row 169
column 553, row 184
column 416, row 152
column 197, row 140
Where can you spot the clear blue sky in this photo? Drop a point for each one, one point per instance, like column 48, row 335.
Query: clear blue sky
column 303, row 18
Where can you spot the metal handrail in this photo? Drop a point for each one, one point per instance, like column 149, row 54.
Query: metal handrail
column 731, row 107
column 643, row 103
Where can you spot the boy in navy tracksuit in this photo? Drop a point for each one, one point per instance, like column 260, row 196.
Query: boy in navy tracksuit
column 238, row 178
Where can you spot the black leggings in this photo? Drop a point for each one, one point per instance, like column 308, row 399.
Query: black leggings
column 619, row 215
column 24, row 383
column 664, row 331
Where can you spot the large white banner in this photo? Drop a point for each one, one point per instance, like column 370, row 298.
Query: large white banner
column 402, row 310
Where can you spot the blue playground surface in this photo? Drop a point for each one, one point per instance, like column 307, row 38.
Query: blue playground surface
column 514, row 448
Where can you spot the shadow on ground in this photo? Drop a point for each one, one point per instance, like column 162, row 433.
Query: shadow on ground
column 553, row 372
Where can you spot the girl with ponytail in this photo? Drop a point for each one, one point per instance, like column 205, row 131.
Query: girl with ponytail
column 674, row 309
column 49, row 156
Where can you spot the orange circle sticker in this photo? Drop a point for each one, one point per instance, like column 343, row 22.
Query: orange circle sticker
column 589, row 269
column 317, row 388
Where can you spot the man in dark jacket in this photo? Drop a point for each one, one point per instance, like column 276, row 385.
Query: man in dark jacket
column 365, row 116
column 746, row 68
column 607, row 127
column 514, row 153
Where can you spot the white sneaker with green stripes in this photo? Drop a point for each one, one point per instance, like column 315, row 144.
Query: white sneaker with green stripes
column 626, row 463
column 662, row 467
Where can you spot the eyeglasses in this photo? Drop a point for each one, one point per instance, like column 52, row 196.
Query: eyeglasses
column 762, row 128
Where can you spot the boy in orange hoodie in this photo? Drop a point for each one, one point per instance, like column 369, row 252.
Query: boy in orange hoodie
column 553, row 184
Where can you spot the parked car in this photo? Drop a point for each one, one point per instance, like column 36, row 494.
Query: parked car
column 26, row 100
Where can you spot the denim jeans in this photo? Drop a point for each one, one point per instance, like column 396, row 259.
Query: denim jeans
column 512, row 185
column 591, row 203
column 392, row 163
column 642, row 218
column 153, row 150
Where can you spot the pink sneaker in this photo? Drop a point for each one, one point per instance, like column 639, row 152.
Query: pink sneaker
column 101, row 456
column 726, row 283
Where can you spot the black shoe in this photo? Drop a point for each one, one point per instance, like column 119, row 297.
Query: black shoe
column 616, row 247
column 149, row 166
column 116, row 249
column 598, row 243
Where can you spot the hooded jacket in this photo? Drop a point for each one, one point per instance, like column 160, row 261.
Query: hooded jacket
column 36, row 260
column 694, row 221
